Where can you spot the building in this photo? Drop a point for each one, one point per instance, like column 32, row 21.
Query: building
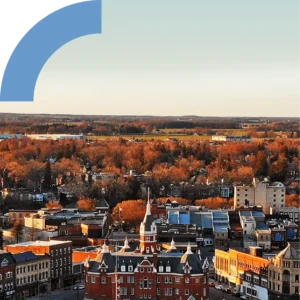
column 60, row 253
column 7, row 276
column 263, row 238
column 265, row 194
column 18, row 215
column 246, row 273
column 292, row 212
column 284, row 274
column 32, row 274
column 56, row 136
column 147, row 272
column 230, row 138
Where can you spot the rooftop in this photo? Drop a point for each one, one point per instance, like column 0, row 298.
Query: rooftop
column 40, row 243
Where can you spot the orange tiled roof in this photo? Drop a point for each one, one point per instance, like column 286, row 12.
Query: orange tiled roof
column 82, row 256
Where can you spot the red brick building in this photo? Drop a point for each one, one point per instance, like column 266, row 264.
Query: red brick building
column 158, row 210
column 7, row 276
column 147, row 272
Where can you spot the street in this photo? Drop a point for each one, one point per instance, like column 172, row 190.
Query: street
column 61, row 295
column 215, row 294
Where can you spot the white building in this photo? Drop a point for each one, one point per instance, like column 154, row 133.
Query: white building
column 56, row 136
column 230, row 138
column 266, row 194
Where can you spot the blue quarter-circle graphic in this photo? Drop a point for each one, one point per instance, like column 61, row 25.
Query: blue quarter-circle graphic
column 45, row 38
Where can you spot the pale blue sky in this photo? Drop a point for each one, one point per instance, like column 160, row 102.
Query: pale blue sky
column 175, row 57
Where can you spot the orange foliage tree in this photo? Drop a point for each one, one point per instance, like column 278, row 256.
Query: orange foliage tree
column 292, row 200
column 215, row 203
column 86, row 204
column 130, row 212
column 53, row 205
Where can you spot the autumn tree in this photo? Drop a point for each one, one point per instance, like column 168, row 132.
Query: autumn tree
column 86, row 204
column 53, row 205
column 292, row 200
column 260, row 164
column 130, row 212
column 215, row 203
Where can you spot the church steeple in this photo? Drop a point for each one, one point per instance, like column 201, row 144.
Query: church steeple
column 148, row 231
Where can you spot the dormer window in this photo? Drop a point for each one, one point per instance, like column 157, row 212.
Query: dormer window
column 161, row 269
column 168, row 269
column 130, row 268
column 123, row 268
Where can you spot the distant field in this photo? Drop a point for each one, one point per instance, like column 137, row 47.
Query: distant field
column 219, row 131
column 153, row 137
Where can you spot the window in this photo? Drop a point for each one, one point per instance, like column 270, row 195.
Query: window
column 168, row 269
column 145, row 283
column 204, row 292
column 186, row 292
column 93, row 279
column 130, row 268
column 297, row 278
column 161, row 269
column 177, row 279
column 177, row 291
column 121, row 279
column 158, row 279
column 158, row 291
column 132, row 291
column 187, row 280
column 123, row 268
column 86, row 279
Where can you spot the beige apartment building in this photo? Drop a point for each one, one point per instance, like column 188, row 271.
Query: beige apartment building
column 266, row 194
column 32, row 274
column 284, row 273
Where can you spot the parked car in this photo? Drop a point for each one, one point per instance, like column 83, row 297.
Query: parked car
column 226, row 290
column 219, row 287
column 244, row 297
column 236, row 294
column 212, row 284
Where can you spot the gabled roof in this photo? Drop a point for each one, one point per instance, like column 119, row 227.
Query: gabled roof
column 6, row 258
column 289, row 253
column 101, row 203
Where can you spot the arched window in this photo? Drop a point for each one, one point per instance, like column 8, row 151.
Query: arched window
column 145, row 283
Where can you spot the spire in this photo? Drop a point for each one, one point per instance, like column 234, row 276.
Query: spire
column 173, row 244
column 105, row 248
column 189, row 249
column 126, row 243
column 148, row 207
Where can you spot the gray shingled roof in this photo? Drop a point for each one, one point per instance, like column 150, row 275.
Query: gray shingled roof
column 24, row 256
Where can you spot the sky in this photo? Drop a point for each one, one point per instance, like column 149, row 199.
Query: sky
column 175, row 57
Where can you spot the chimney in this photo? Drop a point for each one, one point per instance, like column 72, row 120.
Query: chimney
column 256, row 251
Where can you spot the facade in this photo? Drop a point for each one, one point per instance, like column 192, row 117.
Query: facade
column 18, row 215
column 147, row 272
column 7, row 276
column 60, row 255
column 247, row 273
column 284, row 274
column 265, row 194
column 32, row 274
column 263, row 238
column 292, row 212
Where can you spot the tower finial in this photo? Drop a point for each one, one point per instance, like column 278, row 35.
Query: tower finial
column 173, row 244
column 148, row 207
column 189, row 248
